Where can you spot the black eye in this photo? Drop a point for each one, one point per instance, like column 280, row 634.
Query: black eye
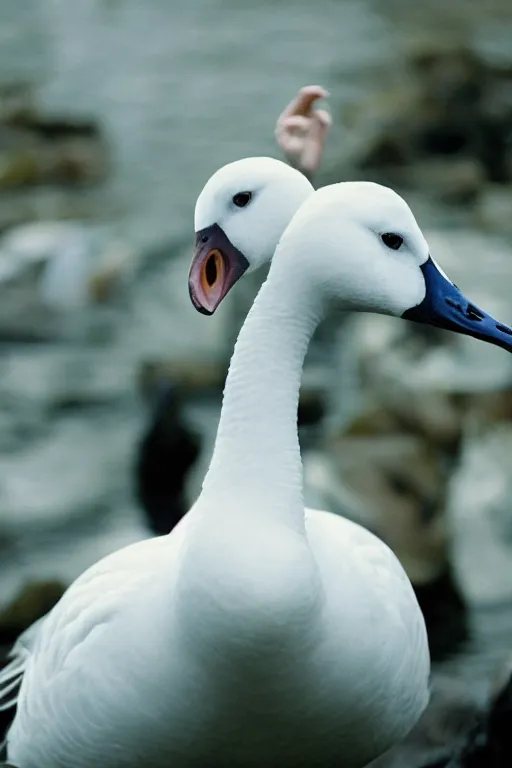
column 391, row 240
column 241, row 199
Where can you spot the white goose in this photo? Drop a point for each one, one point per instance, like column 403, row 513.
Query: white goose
column 253, row 634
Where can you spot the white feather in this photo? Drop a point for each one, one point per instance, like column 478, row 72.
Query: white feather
column 256, row 633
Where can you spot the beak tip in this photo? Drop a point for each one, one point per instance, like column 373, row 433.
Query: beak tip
column 198, row 306
column 444, row 306
column 203, row 311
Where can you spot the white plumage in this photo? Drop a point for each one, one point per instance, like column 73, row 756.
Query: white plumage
column 255, row 633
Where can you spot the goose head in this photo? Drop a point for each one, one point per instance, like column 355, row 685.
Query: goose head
column 359, row 241
column 240, row 216
column 360, row 246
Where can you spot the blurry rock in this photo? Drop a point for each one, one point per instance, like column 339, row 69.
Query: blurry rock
column 76, row 158
column 448, row 72
column 381, row 133
column 494, row 208
column 47, row 268
column 387, row 152
column 490, row 408
column 166, row 454
column 24, row 206
column 455, row 109
column 71, row 478
column 36, row 150
column 480, row 513
column 396, row 373
column 21, row 420
column 18, row 167
column 78, row 263
column 402, row 482
column 32, row 602
column 114, row 265
column 17, row 102
column 370, row 422
column 41, row 381
column 324, row 488
column 458, row 181
column 45, row 163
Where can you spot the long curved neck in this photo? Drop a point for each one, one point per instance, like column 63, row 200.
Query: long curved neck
column 256, row 461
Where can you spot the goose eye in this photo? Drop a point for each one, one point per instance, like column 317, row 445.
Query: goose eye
column 241, row 199
column 391, row 240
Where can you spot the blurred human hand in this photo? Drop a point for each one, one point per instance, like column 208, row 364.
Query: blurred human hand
column 301, row 130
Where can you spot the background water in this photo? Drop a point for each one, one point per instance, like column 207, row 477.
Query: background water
column 184, row 88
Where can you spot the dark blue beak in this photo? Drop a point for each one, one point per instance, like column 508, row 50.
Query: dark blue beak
column 444, row 306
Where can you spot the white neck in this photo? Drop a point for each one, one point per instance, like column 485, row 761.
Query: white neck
column 256, row 460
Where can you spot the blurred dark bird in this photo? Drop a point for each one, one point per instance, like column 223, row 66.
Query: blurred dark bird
column 166, row 453
column 445, row 612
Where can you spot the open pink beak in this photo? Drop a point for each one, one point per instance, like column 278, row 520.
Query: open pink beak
column 215, row 268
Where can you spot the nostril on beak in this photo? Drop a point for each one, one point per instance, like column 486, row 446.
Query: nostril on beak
column 473, row 313
column 470, row 311
column 503, row 329
column 456, row 305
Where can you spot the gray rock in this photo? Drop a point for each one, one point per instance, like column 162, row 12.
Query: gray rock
column 480, row 513
column 51, row 272
column 443, row 127
column 492, row 212
column 54, row 377
column 78, row 470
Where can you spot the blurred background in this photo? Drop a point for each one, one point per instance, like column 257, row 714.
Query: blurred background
column 113, row 114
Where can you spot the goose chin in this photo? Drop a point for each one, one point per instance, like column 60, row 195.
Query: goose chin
column 216, row 266
column 444, row 306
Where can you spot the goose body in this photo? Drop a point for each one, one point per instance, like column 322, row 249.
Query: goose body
column 255, row 633
column 115, row 686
